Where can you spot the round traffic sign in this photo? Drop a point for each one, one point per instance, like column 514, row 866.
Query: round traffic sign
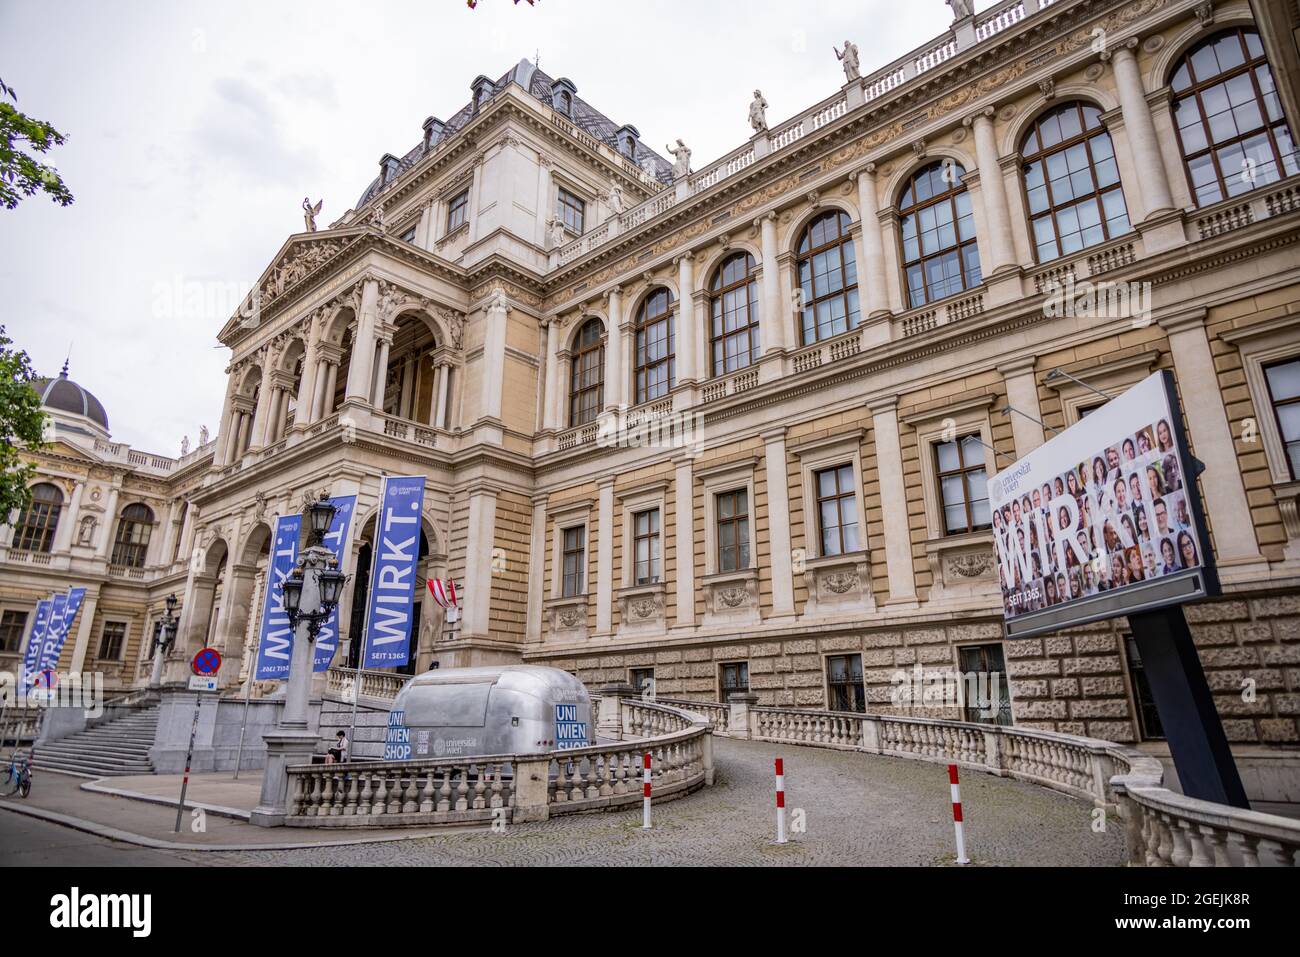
column 206, row 662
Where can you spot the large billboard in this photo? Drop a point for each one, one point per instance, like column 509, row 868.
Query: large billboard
column 1102, row 520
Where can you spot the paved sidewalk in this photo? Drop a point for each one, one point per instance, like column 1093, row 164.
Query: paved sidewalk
column 858, row 809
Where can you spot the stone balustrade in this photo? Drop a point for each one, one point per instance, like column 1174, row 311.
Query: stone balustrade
column 380, row 685
column 512, row 788
column 1162, row 828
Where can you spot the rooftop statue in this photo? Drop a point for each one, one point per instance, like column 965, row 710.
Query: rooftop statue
column 757, row 113
column 615, row 199
column 310, row 212
column 848, row 58
column 681, row 155
column 961, row 9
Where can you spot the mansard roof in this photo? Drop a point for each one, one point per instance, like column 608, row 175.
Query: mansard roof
column 538, row 84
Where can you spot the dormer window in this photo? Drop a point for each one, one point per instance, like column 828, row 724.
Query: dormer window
column 433, row 129
column 482, row 89
column 562, row 94
column 627, row 137
column 388, row 168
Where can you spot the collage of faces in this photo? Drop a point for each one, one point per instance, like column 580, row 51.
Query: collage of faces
column 1118, row 518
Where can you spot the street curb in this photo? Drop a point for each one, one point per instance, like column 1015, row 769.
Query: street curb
column 215, row 809
column 126, row 837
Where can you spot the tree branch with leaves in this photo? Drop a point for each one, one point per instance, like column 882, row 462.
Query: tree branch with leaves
column 22, row 138
column 22, row 425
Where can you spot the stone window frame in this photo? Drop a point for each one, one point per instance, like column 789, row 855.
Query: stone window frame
column 126, row 637
column 714, row 480
column 826, row 657
column 970, row 417
column 643, row 498
column 632, row 682
column 27, row 614
column 726, row 662
column 1005, row 679
column 570, row 515
column 447, row 202
column 1112, row 377
column 561, row 181
column 1261, row 345
column 823, row 453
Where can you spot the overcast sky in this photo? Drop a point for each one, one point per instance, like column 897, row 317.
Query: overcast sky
column 195, row 129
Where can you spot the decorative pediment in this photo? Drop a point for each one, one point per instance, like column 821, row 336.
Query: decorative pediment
column 298, row 259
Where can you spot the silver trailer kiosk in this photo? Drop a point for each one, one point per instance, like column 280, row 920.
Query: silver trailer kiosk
column 503, row 709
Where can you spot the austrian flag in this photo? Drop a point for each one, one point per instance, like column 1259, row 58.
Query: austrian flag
column 443, row 592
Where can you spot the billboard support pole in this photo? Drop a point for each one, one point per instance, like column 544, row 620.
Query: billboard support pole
column 1206, row 769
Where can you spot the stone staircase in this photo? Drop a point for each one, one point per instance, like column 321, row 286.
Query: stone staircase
column 116, row 747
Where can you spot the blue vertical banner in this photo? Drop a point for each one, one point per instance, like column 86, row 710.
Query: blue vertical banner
column 56, row 631
column 327, row 641
column 392, row 586
column 32, row 653
column 275, row 639
column 53, row 635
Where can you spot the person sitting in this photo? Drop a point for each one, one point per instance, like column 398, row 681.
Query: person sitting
column 339, row 753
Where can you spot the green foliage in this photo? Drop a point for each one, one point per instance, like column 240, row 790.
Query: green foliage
column 21, row 173
column 21, row 427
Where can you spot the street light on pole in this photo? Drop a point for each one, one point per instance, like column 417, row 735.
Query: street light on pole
column 163, row 639
column 310, row 594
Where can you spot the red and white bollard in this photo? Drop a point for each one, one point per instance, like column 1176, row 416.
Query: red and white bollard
column 780, row 802
column 645, row 786
column 956, row 815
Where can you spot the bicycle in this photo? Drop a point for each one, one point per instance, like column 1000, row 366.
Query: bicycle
column 19, row 775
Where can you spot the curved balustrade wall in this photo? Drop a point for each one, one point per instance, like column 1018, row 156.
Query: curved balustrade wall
column 514, row 788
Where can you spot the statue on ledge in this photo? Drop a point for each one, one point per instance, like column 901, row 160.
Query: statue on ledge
column 758, row 112
column 310, row 212
column 848, row 58
column 682, row 159
column 961, row 9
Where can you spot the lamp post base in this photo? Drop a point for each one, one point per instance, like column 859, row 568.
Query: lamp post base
column 284, row 747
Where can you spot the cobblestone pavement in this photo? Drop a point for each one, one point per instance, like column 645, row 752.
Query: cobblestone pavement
column 859, row 810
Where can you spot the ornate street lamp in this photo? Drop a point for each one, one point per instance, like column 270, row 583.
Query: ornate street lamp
column 163, row 639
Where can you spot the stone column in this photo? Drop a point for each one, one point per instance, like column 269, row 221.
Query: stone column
column 605, row 558
column 265, row 396
column 443, row 385
column 225, row 432
column 543, row 197
column 872, row 269
column 237, row 601
column 331, row 371
column 480, row 536
column 242, row 434
column 1152, row 179
column 614, row 350
column 475, row 191
column 1210, row 435
column 309, row 385
column 494, row 357
column 68, row 521
column 778, row 507
column 424, row 229
column 380, row 384
column 105, row 549
column 1000, row 246
column 171, row 532
column 684, row 541
column 1022, row 396
column 363, row 346
column 536, row 570
column 550, row 398
column 684, row 335
column 896, row 294
column 772, row 321
column 893, row 500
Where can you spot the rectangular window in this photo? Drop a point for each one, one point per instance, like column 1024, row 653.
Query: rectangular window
column 733, row 530
column 575, row 561
column 1149, row 726
column 642, row 680
column 963, row 484
column 1284, row 392
column 13, row 624
column 645, row 545
column 571, row 211
column 837, row 510
column 988, row 696
column 409, row 235
column 844, row 681
column 112, row 640
column 733, row 679
column 458, row 211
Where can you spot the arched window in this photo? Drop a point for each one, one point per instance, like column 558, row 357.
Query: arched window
column 1072, row 182
column 1231, row 129
column 940, row 258
column 828, row 278
column 733, row 314
column 564, row 103
column 587, row 378
column 35, row 529
column 132, row 541
column 655, row 372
